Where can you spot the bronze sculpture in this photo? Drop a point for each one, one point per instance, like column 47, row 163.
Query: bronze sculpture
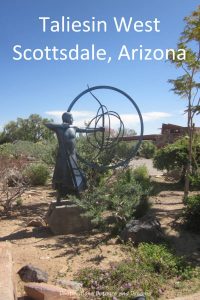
column 68, row 178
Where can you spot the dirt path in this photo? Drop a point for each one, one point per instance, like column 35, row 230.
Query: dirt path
column 168, row 207
column 148, row 163
column 60, row 256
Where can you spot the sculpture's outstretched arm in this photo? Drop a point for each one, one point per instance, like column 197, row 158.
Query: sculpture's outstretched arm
column 51, row 126
column 54, row 126
column 90, row 130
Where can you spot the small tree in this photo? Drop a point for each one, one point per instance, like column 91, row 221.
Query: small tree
column 173, row 157
column 187, row 85
column 31, row 129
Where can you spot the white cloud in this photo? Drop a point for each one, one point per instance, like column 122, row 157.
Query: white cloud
column 156, row 115
column 54, row 113
column 80, row 117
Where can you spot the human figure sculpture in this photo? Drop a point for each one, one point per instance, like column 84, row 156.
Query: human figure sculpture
column 68, row 178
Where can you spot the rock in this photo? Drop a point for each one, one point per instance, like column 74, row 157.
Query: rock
column 30, row 273
column 69, row 284
column 67, row 218
column 144, row 230
column 43, row 291
column 37, row 222
column 7, row 283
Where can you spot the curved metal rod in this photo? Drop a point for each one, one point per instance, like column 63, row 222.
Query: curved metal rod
column 134, row 149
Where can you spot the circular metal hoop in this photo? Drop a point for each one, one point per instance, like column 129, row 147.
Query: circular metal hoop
column 139, row 141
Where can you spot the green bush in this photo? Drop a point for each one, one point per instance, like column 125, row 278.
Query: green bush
column 36, row 174
column 175, row 157
column 192, row 212
column 121, row 196
column 147, row 270
column 147, row 149
column 44, row 151
column 141, row 175
column 172, row 157
column 111, row 155
column 124, row 149
column 195, row 180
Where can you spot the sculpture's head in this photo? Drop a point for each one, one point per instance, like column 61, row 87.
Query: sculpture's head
column 67, row 118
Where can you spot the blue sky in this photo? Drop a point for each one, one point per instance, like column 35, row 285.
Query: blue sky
column 48, row 87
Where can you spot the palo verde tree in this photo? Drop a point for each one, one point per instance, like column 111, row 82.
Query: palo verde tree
column 187, row 85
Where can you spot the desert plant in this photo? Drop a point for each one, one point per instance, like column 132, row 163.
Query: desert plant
column 44, row 151
column 174, row 157
column 141, row 175
column 36, row 174
column 187, row 84
column 192, row 212
column 120, row 196
column 148, row 149
column 12, row 184
column 147, row 269
column 119, row 151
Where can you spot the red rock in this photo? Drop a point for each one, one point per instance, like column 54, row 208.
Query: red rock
column 7, row 286
column 44, row 291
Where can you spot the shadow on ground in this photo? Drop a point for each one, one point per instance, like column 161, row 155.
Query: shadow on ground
column 168, row 209
column 38, row 233
column 158, row 186
column 27, row 211
column 72, row 245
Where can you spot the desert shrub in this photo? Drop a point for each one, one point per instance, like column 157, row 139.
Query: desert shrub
column 147, row 149
column 141, row 175
column 120, row 196
column 124, row 149
column 119, row 151
column 44, row 151
column 135, row 183
column 19, row 201
column 36, row 174
column 192, row 212
column 175, row 157
column 195, row 180
column 146, row 270
column 12, row 184
column 172, row 157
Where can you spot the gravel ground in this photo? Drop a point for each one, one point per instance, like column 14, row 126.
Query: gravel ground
column 136, row 162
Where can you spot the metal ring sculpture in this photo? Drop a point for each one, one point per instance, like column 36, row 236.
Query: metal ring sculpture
column 106, row 142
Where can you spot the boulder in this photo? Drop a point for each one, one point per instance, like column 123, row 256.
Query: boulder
column 37, row 222
column 30, row 273
column 144, row 230
column 43, row 291
column 67, row 218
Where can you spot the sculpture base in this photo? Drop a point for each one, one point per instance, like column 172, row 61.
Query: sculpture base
column 66, row 218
